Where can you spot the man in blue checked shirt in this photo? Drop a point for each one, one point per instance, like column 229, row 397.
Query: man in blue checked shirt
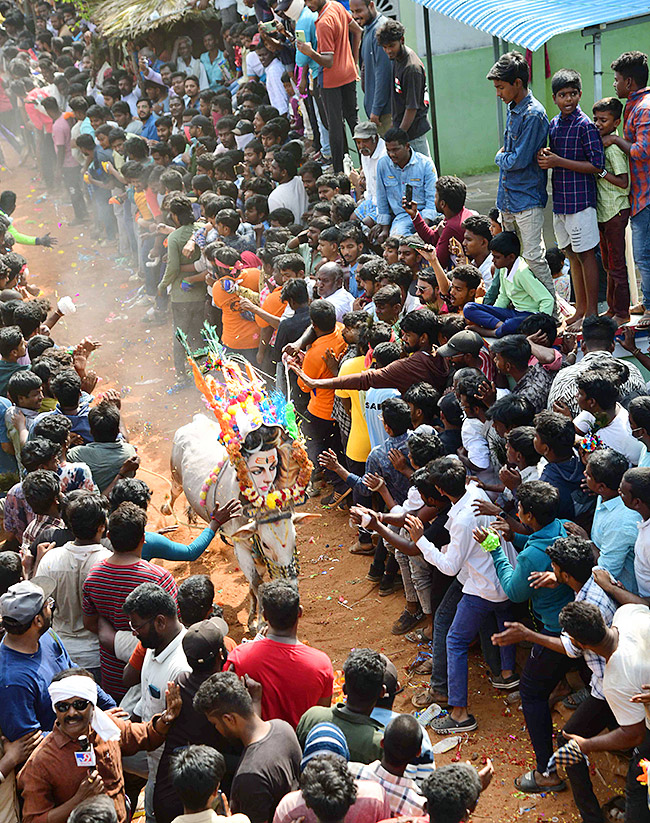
column 401, row 167
column 576, row 155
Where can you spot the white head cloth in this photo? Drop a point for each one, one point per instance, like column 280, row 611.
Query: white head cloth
column 85, row 687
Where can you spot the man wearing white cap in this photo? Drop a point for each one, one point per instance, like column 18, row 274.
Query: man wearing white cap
column 82, row 756
column 30, row 656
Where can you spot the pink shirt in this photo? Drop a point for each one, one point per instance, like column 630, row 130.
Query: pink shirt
column 370, row 806
column 61, row 137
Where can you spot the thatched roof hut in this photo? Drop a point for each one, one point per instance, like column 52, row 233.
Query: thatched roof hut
column 129, row 19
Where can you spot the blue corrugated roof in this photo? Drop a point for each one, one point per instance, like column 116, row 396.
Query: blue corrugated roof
column 530, row 23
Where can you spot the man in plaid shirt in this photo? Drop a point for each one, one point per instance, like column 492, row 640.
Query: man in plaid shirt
column 572, row 562
column 631, row 82
column 576, row 154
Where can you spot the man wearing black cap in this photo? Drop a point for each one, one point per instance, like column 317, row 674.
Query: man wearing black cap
column 201, row 126
column 467, row 349
column 244, row 133
column 204, row 649
column 30, row 655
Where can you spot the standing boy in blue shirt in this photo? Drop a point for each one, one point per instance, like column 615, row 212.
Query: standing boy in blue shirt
column 576, row 155
column 521, row 196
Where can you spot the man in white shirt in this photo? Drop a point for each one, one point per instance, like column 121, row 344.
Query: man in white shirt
column 289, row 192
column 598, row 396
column 129, row 94
column 626, row 649
column 371, row 147
column 482, row 592
column 475, row 245
column 68, row 566
column 153, row 617
column 329, row 283
column 635, row 492
column 190, row 65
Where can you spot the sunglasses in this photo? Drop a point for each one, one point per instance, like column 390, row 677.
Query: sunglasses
column 78, row 705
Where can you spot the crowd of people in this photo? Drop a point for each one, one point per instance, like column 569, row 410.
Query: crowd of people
column 497, row 476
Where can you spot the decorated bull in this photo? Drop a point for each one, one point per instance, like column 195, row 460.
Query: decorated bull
column 252, row 450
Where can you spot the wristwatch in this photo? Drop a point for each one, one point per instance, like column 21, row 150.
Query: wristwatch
column 602, row 173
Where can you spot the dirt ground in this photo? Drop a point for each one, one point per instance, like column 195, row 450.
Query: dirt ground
column 342, row 609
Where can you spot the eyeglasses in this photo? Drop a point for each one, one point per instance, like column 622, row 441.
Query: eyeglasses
column 79, row 705
column 138, row 629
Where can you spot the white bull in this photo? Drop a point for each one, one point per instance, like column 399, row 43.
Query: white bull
column 196, row 452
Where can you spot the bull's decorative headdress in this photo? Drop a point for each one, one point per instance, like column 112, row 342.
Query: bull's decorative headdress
column 241, row 404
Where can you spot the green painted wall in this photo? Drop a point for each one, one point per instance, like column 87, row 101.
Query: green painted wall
column 465, row 102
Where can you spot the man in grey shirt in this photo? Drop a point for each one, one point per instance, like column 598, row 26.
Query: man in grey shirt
column 109, row 457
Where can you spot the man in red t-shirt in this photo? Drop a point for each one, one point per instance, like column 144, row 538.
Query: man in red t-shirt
column 339, row 59
column 294, row 676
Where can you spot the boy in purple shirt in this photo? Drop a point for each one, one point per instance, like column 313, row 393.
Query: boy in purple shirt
column 576, row 155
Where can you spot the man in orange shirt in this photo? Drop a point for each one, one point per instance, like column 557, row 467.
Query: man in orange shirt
column 322, row 432
column 334, row 28
column 240, row 333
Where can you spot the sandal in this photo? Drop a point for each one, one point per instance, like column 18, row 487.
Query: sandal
column 407, row 621
column 426, row 697
column 528, row 784
column 644, row 322
column 423, row 664
column 572, row 701
column 418, row 636
column 447, row 725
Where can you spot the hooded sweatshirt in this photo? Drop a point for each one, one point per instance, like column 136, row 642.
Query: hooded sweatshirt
column 546, row 603
column 566, row 477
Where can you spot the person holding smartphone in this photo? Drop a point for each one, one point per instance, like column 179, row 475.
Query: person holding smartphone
column 450, row 201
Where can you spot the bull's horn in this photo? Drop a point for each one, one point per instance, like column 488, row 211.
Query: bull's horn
column 304, row 515
column 247, row 527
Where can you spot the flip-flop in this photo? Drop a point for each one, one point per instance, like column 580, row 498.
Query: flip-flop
column 644, row 322
column 527, row 783
column 573, row 700
column 418, row 636
column 447, row 725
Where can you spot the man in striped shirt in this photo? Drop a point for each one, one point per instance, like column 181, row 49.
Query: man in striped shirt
column 111, row 580
column 631, row 82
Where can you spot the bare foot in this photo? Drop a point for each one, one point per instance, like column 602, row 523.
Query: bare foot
column 608, row 313
column 621, row 321
column 574, row 324
column 638, row 308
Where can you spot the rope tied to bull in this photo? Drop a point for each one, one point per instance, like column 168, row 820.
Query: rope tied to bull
column 276, row 570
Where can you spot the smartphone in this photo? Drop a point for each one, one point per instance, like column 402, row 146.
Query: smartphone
column 270, row 26
column 416, row 244
column 408, row 192
column 300, row 35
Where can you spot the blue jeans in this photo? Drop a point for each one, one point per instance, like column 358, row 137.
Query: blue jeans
column 488, row 317
column 640, row 224
column 444, row 617
column 471, row 613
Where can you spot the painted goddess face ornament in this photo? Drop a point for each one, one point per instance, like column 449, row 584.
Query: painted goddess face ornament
column 263, row 470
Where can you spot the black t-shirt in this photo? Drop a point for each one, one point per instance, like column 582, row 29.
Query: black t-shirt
column 409, row 86
column 268, row 770
column 190, row 727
